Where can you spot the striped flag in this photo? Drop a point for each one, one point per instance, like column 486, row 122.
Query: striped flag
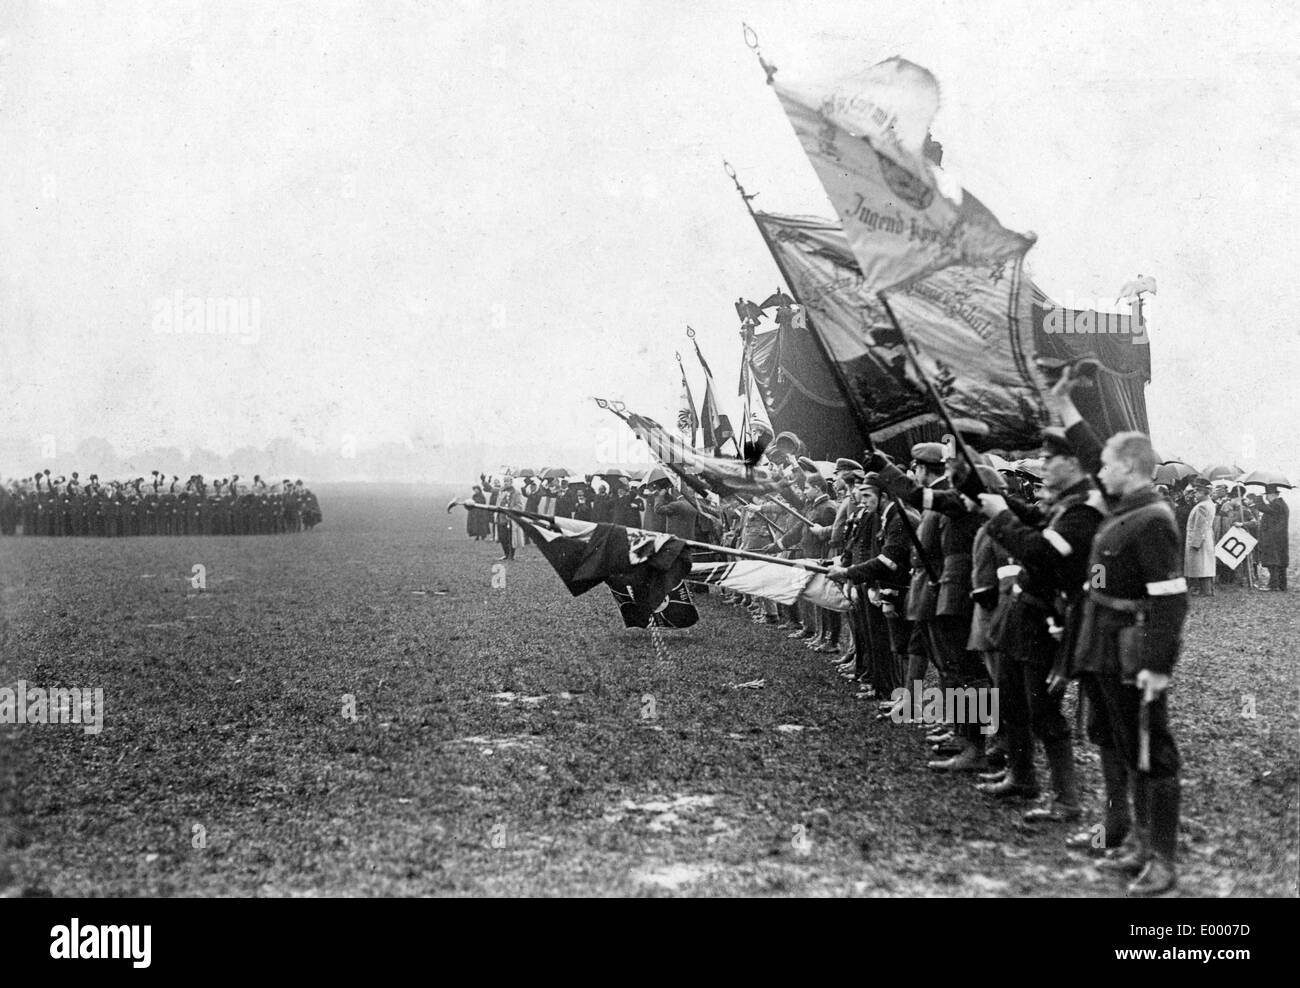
column 772, row 581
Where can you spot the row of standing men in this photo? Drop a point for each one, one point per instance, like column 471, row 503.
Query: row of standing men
column 47, row 506
column 950, row 569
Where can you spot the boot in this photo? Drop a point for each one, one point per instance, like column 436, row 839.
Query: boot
column 1021, row 781
column 1132, row 858
column 1065, row 805
column 969, row 759
column 1118, row 822
column 1157, row 878
column 1009, row 788
column 1160, row 874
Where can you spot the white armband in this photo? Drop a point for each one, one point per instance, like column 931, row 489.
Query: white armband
column 1057, row 541
column 1167, row 588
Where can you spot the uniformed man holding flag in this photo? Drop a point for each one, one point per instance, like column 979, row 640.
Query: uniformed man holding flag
column 1126, row 647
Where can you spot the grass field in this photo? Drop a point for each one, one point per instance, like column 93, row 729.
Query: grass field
column 515, row 740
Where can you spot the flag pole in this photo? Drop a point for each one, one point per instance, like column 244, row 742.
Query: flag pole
column 786, row 508
column 934, row 394
column 725, row 550
column 837, row 372
column 717, row 418
column 698, row 486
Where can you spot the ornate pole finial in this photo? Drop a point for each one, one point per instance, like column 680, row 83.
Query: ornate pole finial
column 751, row 42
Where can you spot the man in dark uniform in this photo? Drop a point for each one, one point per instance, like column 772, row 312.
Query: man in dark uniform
column 945, row 609
column 884, row 567
column 27, row 511
column 1051, row 547
column 1128, row 641
column 922, row 595
column 166, row 511
column 8, row 511
column 311, row 514
column 859, row 530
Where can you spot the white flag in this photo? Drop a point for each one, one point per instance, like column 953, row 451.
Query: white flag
column 864, row 136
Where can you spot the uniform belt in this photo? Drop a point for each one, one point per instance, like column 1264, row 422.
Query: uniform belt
column 1126, row 605
column 1032, row 601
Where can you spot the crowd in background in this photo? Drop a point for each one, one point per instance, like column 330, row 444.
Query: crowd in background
column 1206, row 511
column 65, row 506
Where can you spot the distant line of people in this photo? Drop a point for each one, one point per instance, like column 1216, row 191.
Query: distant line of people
column 65, row 506
column 617, row 499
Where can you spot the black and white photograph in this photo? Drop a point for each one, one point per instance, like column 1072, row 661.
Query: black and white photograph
column 725, row 449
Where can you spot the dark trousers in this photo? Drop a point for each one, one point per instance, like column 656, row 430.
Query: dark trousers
column 831, row 623
column 1277, row 577
column 1114, row 714
column 1115, row 710
column 1025, row 701
column 900, row 633
column 863, row 645
column 883, row 677
column 505, row 536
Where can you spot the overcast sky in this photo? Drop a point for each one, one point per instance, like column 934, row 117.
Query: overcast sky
column 460, row 220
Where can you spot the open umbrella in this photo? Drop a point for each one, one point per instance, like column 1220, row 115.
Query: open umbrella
column 655, row 474
column 1221, row 472
column 1265, row 478
column 526, row 472
column 555, row 473
column 613, row 472
column 1172, row 472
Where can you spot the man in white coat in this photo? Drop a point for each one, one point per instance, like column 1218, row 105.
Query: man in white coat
column 1198, row 563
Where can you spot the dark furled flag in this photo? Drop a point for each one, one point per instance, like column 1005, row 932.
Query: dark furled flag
column 645, row 566
column 677, row 610
column 717, row 427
